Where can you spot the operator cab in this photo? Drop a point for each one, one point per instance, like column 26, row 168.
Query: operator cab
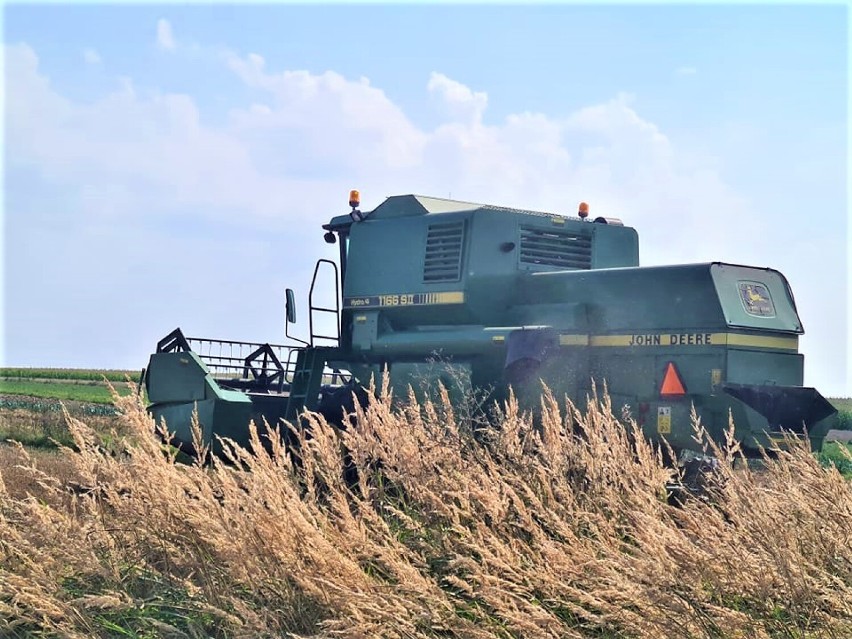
column 416, row 262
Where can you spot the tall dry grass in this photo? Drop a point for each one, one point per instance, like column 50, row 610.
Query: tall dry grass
column 413, row 524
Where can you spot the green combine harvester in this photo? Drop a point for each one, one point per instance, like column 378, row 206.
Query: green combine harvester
column 494, row 297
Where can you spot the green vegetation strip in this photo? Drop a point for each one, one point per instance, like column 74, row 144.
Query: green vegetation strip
column 844, row 412
column 36, row 405
column 95, row 375
column 841, row 403
column 91, row 393
column 833, row 453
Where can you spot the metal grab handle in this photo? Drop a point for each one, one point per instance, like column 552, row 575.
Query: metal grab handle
column 335, row 310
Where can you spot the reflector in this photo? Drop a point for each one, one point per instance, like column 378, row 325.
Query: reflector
column 672, row 383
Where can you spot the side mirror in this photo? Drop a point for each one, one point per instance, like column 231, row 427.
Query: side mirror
column 290, row 307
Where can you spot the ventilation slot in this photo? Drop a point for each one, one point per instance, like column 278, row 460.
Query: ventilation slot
column 547, row 247
column 444, row 242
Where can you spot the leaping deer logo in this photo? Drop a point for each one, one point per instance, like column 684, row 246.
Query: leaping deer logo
column 756, row 299
column 754, row 295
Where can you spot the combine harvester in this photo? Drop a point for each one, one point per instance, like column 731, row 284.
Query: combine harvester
column 501, row 297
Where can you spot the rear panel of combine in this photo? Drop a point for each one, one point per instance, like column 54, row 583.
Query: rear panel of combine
column 719, row 337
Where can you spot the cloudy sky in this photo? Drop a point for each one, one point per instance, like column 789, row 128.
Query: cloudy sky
column 171, row 165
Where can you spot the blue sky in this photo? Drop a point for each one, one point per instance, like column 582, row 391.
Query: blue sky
column 170, row 165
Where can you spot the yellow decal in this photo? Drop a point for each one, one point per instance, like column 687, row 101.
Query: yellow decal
column 454, row 297
column 664, row 420
column 396, row 300
column 573, row 340
column 778, row 441
column 610, row 340
column 681, row 339
column 676, row 339
column 715, row 378
column 404, row 299
column 763, row 341
column 756, row 299
column 650, row 339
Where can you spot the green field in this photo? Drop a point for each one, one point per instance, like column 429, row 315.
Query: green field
column 91, row 392
column 33, row 401
column 844, row 410
column 67, row 384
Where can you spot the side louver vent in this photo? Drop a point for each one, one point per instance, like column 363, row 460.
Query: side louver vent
column 444, row 244
column 551, row 247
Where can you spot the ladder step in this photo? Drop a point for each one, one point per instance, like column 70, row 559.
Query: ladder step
column 307, row 382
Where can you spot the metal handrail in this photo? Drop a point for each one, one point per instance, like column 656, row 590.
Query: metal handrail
column 335, row 310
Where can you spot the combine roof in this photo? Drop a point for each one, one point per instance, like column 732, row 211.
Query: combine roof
column 410, row 205
column 397, row 206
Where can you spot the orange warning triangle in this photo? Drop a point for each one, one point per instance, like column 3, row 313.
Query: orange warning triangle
column 672, row 383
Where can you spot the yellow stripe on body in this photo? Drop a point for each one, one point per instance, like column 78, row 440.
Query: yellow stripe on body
column 610, row 340
column 660, row 340
column 764, row 341
column 778, row 441
column 573, row 340
column 451, row 297
column 401, row 300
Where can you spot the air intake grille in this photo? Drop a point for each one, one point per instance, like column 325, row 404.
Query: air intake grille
column 550, row 247
column 444, row 244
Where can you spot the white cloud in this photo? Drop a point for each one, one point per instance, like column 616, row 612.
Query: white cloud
column 458, row 100
column 91, row 56
column 324, row 122
column 686, row 71
column 165, row 37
